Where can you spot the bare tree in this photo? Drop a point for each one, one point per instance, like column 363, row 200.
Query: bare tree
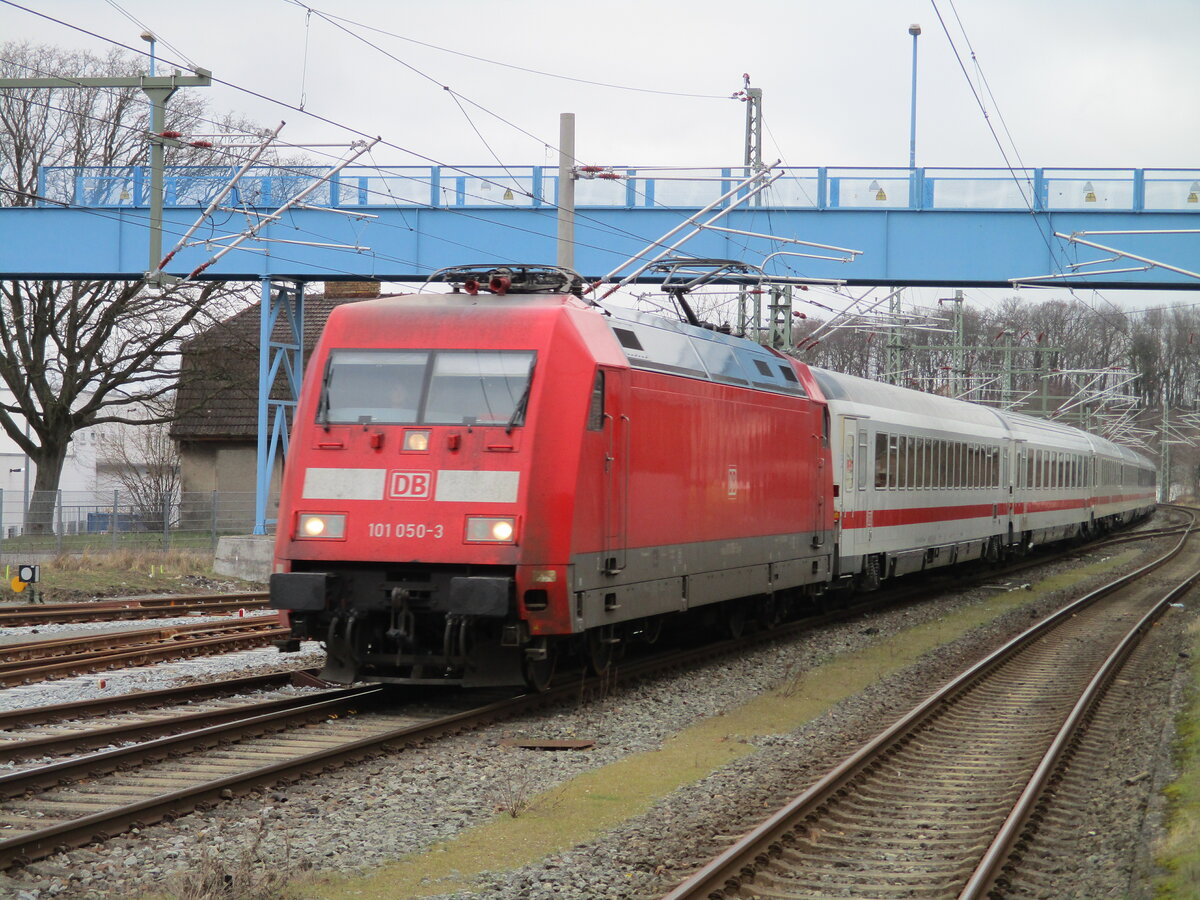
column 143, row 464
column 75, row 354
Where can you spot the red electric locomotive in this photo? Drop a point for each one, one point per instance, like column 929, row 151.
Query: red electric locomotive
column 482, row 481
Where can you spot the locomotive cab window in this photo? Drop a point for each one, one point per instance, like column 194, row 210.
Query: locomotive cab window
column 406, row 387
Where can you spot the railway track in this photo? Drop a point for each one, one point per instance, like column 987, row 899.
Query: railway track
column 935, row 805
column 55, row 658
column 68, row 803
column 14, row 615
column 76, row 727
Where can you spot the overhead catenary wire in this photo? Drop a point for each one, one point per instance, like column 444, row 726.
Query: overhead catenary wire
column 299, row 171
column 1056, row 252
column 494, row 62
column 321, row 118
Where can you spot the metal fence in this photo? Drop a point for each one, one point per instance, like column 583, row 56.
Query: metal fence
column 106, row 521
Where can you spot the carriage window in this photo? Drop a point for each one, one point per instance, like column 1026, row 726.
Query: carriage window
column 881, row 457
column 895, row 443
column 862, row 460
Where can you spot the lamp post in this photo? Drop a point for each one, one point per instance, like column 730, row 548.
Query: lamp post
column 914, row 30
column 149, row 38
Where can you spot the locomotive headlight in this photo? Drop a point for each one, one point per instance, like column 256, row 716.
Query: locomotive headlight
column 491, row 529
column 416, row 440
column 313, row 525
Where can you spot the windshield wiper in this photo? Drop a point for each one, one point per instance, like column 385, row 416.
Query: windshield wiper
column 519, row 410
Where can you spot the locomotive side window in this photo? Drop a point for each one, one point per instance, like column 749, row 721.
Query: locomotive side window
column 722, row 363
column 628, row 339
column 595, row 420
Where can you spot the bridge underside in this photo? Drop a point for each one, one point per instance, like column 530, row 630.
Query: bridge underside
column 899, row 247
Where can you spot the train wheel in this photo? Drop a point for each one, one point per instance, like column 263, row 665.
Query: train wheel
column 602, row 644
column 734, row 619
column 538, row 668
column 766, row 613
column 650, row 630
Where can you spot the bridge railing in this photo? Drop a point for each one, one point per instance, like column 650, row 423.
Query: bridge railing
column 534, row 187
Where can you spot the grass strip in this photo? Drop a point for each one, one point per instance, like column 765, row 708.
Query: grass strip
column 1179, row 851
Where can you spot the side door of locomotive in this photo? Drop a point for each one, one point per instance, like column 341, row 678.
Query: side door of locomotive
column 616, row 468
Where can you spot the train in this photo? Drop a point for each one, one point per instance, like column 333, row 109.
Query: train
column 486, row 483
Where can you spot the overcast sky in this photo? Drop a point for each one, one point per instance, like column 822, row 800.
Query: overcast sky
column 1094, row 83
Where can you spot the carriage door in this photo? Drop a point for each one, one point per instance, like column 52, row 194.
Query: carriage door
column 852, row 476
column 616, row 468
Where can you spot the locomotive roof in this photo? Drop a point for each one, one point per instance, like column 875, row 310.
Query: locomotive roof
column 659, row 344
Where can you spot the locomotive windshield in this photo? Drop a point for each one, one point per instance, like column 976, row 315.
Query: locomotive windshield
column 430, row 387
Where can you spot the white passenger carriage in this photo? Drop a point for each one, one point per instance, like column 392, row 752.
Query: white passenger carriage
column 922, row 481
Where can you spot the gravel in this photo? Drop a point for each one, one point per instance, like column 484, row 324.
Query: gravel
column 358, row 817
column 152, row 677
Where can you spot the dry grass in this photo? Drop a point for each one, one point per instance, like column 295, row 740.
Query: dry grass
column 173, row 562
column 243, row 877
column 81, row 576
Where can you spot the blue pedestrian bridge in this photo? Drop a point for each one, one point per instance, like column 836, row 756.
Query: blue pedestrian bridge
column 935, row 226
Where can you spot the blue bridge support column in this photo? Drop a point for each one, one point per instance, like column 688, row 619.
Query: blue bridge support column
column 281, row 349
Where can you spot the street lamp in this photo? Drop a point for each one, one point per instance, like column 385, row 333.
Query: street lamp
column 149, row 38
column 914, row 30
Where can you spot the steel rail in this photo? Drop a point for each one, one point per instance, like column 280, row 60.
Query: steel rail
column 990, row 866
column 23, row 848
column 141, row 730
column 100, row 611
column 39, row 715
column 742, row 859
column 46, row 647
column 14, row 784
column 245, row 631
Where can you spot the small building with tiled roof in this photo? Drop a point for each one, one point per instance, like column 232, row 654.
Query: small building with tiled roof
column 217, row 401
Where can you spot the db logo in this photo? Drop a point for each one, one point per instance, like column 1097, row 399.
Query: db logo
column 409, row 485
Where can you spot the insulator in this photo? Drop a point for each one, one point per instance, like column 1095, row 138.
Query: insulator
column 171, row 134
